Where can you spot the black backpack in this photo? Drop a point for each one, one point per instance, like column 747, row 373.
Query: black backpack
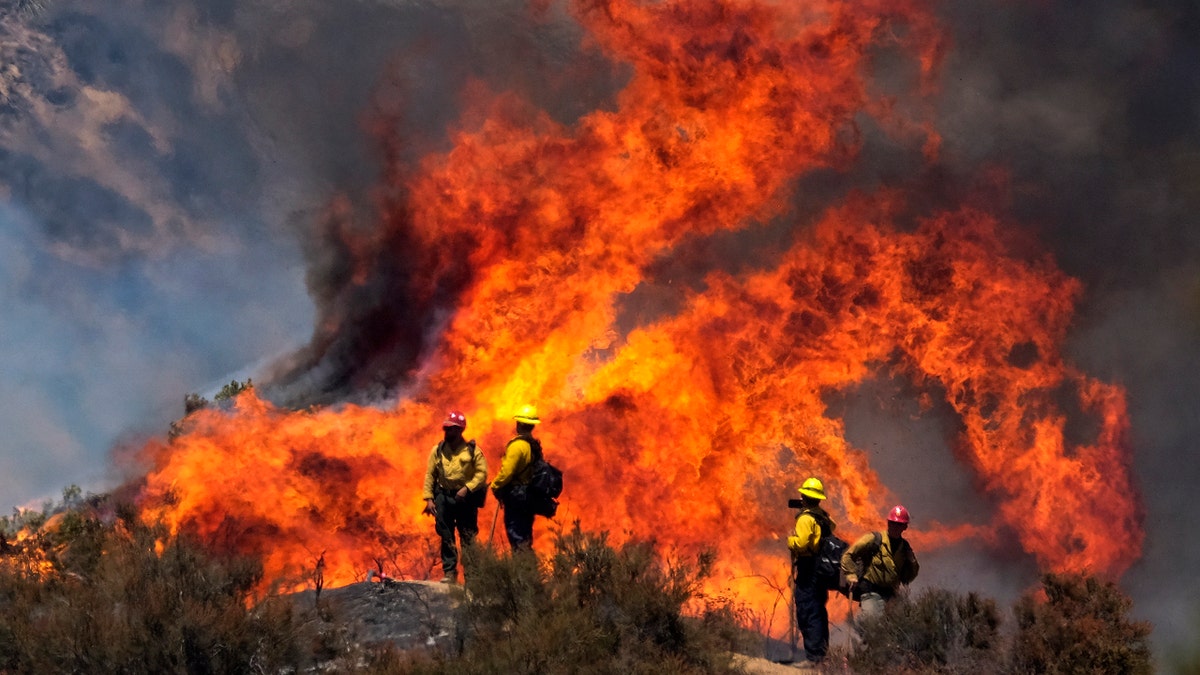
column 827, row 563
column 545, row 482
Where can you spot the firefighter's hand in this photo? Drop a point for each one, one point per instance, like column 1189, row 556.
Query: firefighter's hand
column 462, row 493
column 429, row 509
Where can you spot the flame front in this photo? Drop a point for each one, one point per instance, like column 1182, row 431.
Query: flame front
column 692, row 427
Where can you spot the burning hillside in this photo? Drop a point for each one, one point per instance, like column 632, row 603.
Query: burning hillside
column 505, row 260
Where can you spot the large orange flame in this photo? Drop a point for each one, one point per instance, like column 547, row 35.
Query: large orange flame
column 694, row 427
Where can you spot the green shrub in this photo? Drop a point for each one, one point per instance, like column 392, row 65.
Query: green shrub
column 938, row 632
column 229, row 392
column 1079, row 626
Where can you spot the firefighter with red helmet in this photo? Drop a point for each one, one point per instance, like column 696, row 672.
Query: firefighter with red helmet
column 455, row 486
column 879, row 563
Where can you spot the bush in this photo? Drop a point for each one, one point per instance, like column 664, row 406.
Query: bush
column 939, row 632
column 88, row 593
column 1079, row 626
column 592, row 608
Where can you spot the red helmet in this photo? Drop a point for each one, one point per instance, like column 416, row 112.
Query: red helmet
column 455, row 418
column 898, row 514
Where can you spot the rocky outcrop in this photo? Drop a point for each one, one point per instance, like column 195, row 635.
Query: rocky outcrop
column 410, row 615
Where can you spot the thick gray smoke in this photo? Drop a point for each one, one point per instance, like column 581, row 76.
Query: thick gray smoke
column 1092, row 116
column 1095, row 110
column 166, row 171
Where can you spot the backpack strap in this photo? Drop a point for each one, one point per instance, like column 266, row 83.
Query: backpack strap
column 861, row 565
column 878, row 547
column 823, row 520
column 535, row 446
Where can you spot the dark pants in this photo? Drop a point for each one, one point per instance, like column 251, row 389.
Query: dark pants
column 518, row 524
column 811, row 616
column 449, row 516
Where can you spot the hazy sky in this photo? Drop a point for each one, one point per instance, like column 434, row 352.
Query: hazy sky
column 162, row 166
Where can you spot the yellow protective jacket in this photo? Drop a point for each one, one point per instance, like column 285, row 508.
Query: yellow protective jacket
column 515, row 467
column 452, row 469
column 804, row 542
column 887, row 565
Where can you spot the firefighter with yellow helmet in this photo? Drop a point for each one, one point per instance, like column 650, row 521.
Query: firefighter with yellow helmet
column 812, row 618
column 516, row 471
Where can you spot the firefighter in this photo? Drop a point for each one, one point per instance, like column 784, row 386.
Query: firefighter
column 812, row 618
column 879, row 562
column 515, row 473
column 455, row 482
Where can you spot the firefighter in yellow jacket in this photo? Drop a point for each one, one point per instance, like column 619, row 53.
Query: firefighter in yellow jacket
column 812, row 617
column 455, row 481
column 879, row 562
column 516, row 470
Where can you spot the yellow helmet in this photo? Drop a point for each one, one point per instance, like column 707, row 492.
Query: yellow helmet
column 527, row 414
column 813, row 488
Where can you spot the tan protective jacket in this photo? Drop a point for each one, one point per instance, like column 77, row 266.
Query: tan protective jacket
column 887, row 565
column 452, row 469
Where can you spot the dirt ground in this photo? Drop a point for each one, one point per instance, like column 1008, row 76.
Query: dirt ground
column 757, row 666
